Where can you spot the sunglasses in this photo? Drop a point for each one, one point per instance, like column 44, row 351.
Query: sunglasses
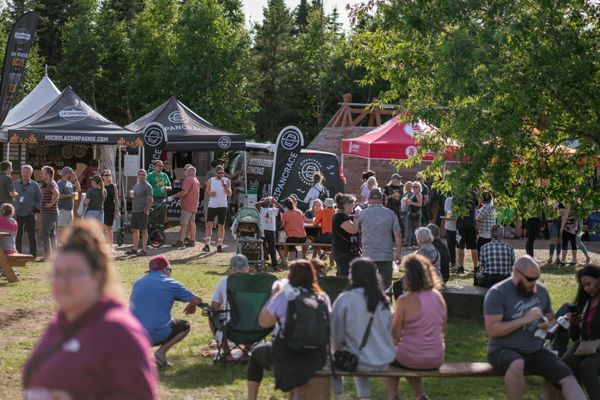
column 529, row 279
column 220, row 173
column 106, row 175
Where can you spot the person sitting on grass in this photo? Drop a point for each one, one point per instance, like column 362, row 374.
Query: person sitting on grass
column 237, row 265
column 152, row 299
column 419, row 324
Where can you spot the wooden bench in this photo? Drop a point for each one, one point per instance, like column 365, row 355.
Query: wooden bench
column 19, row 260
column 326, row 247
column 319, row 386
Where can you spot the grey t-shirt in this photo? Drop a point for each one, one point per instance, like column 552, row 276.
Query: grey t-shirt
column 210, row 174
column 141, row 192
column 65, row 187
column 6, row 186
column 96, row 199
column 378, row 225
column 503, row 299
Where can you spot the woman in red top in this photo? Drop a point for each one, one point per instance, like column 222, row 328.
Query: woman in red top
column 93, row 348
column 292, row 222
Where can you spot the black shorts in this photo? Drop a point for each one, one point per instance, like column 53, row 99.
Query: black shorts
column 109, row 217
column 139, row 220
column 468, row 236
column 543, row 363
column 177, row 326
column 219, row 212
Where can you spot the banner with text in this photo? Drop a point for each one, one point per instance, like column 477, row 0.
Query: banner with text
column 289, row 143
column 15, row 58
column 155, row 140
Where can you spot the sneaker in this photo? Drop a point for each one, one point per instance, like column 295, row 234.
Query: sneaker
column 277, row 269
column 461, row 270
column 453, row 268
column 537, row 260
column 323, row 257
column 219, row 249
column 561, row 262
column 178, row 243
column 190, row 243
column 549, row 261
column 476, row 270
column 206, row 248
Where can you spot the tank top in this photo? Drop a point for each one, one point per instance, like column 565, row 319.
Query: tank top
column 220, row 199
column 422, row 345
column 109, row 202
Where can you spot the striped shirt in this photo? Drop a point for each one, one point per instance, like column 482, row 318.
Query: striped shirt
column 47, row 199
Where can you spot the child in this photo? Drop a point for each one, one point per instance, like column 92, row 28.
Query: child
column 269, row 208
column 8, row 225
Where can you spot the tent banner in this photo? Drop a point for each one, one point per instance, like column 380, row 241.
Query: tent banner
column 289, row 143
column 155, row 140
column 15, row 58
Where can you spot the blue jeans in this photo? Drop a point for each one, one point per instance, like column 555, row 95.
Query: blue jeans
column 48, row 234
column 98, row 215
column 363, row 384
column 409, row 232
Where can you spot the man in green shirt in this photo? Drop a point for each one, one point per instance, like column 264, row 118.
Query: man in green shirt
column 160, row 186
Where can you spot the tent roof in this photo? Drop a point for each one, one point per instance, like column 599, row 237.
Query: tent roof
column 188, row 131
column 68, row 119
column 392, row 140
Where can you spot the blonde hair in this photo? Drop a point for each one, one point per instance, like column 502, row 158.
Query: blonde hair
column 7, row 209
column 85, row 237
column 406, row 187
column 420, row 274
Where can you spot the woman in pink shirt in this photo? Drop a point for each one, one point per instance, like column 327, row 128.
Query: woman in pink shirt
column 8, row 225
column 94, row 348
column 419, row 324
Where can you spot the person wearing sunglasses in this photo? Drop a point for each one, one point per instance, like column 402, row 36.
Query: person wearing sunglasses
column 152, row 299
column 161, row 184
column 514, row 310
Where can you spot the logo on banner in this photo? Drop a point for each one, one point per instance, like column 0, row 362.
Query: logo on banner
column 73, row 113
column 307, row 169
column 290, row 139
column 411, row 151
column 224, row 142
column 353, row 147
column 177, row 117
column 154, row 135
column 408, row 129
column 22, row 36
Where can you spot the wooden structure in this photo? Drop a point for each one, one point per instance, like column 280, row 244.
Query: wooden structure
column 8, row 261
column 350, row 122
column 319, row 386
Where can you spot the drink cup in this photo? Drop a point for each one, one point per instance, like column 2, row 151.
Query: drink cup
column 404, row 200
column 397, row 195
column 76, row 195
column 163, row 189
column 131, row 193
column 448, row 214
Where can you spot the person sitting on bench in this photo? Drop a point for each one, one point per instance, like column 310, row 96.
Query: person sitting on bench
column 496, row 259
column 419, row 324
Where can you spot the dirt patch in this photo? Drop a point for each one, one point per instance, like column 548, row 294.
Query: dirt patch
column 25, row 319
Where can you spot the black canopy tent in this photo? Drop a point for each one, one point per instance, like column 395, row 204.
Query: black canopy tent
column 68, row 119
column 186, row 131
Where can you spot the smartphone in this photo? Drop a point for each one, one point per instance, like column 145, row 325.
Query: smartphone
column 573, row 309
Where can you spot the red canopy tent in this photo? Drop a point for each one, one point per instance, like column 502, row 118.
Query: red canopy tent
column 392, row 140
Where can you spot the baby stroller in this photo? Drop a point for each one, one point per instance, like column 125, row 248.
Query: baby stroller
column 156, row 231
column 248, row 230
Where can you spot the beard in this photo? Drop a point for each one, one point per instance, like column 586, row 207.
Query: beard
column 524, row 291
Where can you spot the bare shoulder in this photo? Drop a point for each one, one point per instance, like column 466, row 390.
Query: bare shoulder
column 440, row 297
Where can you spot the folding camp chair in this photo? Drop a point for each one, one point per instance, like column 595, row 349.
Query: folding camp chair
column 334, row 285
column 246, row 296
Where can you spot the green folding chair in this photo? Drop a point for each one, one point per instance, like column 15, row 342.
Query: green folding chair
column 246, row 296
column 334, row 285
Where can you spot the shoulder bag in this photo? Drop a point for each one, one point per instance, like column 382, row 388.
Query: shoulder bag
column 354, row 247
column 345, row 360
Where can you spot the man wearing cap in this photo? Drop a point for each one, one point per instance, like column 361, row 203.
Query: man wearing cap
column 66, row 196
column 378, row 225
column 189, row 195
column 161, row 184
column 152, row 299
column 237, row 265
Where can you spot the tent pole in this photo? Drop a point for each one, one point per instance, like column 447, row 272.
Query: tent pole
column 342, row 162
column 368, row 164
column 7, row 150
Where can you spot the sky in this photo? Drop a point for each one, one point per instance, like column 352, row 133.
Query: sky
column 254, row 9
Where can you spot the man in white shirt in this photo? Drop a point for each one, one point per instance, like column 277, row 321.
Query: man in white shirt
column 218, row 189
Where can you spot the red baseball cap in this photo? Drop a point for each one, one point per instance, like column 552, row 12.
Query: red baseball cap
column 158, row 262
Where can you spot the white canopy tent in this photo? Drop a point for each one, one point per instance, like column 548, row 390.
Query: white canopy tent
column 39, row 97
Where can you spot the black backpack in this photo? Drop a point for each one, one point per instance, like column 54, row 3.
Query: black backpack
column 307, row 324
column 323, row 194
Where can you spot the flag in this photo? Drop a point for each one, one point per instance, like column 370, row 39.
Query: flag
column 289, row 143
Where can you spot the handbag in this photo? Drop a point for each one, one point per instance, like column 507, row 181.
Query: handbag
column 587, row 347
column 347, row 361
column 82, row 208
column 414, row 215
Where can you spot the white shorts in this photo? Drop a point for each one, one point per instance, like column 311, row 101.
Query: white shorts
column 65, row 218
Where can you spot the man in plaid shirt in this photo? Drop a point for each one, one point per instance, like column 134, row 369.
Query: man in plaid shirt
column 496, row 259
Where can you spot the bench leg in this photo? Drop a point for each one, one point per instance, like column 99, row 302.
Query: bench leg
column 317, row 388
column 549, row 392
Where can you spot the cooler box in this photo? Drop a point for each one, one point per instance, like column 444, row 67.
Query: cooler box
column 593, row 222
column 249, row 198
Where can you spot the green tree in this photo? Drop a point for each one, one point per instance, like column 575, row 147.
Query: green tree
column 511, row 82
column 272, row 52
column 302, row 11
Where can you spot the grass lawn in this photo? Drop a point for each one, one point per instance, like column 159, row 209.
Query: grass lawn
column 26, row 307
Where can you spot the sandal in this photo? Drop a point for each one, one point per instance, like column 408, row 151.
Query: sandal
column 131, row 251
column 161, row 364
column 142, row 253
